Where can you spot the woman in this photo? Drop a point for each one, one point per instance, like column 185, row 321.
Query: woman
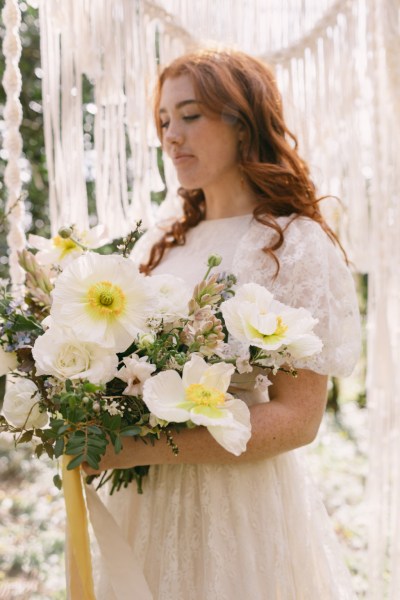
column 209, row 525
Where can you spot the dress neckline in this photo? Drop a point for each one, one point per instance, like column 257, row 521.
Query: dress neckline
column 227, row 219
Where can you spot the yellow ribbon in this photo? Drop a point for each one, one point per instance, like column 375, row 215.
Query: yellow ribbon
column 79, row 563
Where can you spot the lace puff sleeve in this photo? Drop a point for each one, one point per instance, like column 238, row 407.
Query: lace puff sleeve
column 141, row 250
column 313, row 275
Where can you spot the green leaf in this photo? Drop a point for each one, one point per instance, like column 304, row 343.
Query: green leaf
column 49, row 449
column 117, row 445
column 59, row 447
column 62, row 429
column 69, row 386
column 75, row 462
column 131, row 430
column 56, row 423
column 91, row 387
column 39, row 450
column 75, row 445
column 95, row 429
column 92, row 461
column 57, row 481
column 22, row 323
column 74, row 448
column 76, row 414
column 111, row 422
column 96, row 443
column 26, row 437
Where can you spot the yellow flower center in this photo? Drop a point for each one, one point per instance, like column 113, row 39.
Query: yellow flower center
column 281, row 328
column 106, row 299
column 64, row 245
column 202, row 395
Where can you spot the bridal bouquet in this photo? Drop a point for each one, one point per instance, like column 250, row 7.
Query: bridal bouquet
column 97, row 352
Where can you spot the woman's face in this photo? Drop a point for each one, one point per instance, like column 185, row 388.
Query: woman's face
column 203, row 147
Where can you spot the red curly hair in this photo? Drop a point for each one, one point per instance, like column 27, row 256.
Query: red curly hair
column 243, row 89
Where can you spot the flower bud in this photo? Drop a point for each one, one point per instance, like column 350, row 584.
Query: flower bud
column 214, row 260
column 65, row 232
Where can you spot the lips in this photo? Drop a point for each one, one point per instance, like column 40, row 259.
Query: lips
column 183, row 157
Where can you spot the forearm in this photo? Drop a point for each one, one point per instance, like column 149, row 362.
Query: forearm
column 275, row 429
column 290, row 420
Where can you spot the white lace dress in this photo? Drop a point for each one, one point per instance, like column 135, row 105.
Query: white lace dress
column 254, row 531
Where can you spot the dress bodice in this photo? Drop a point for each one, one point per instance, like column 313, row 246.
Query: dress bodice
column 312, row 274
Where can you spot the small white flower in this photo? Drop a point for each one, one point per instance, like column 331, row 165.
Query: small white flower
column 21, row 408
column 200, row 396
column 254, row 317
column 262, row 382
column 104, row 299
column 135, row 372
column 172, row 295
column 8, row 361
column 61, row 251
column 113, row 408
column 60, row 353
column 243, row 362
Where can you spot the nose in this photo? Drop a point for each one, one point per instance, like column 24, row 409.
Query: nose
column 173, row 135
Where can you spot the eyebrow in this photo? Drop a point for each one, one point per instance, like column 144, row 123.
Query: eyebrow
column 180, row 105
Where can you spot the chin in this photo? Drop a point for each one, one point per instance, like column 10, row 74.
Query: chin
column 189, row 184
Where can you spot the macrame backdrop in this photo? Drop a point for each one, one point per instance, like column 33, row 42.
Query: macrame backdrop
column 337, row 65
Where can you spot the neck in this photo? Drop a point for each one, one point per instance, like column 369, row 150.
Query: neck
column 229, row 200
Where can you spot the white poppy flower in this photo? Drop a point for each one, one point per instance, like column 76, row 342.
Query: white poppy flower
column 200, row 396
column 254, row 317
column 104, row 299
column 20, row 407
column 60, row 353
column 172, row 295
column 61, row 251
column 8, row 361
column 135, row 372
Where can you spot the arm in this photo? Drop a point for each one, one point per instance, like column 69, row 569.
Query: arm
column 290, row 420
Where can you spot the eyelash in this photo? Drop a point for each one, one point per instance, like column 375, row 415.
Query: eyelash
column 188, row 118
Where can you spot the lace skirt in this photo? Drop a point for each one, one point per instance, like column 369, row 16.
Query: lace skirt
column 254, row 531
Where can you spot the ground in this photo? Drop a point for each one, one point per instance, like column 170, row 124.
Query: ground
column 32, row 509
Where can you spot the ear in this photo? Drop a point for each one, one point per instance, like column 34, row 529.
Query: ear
column 241, row 132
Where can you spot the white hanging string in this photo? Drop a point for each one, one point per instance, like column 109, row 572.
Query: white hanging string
column 62, row 110
column 13, row 142
column 384, row 308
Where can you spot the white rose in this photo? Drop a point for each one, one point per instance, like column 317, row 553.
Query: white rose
column 21, row 404
column 8, row 361
column 135, row 372
column 172, row 295
column 145, row 340
column 58, row 352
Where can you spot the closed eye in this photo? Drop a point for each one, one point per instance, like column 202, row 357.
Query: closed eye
column 191, row 117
